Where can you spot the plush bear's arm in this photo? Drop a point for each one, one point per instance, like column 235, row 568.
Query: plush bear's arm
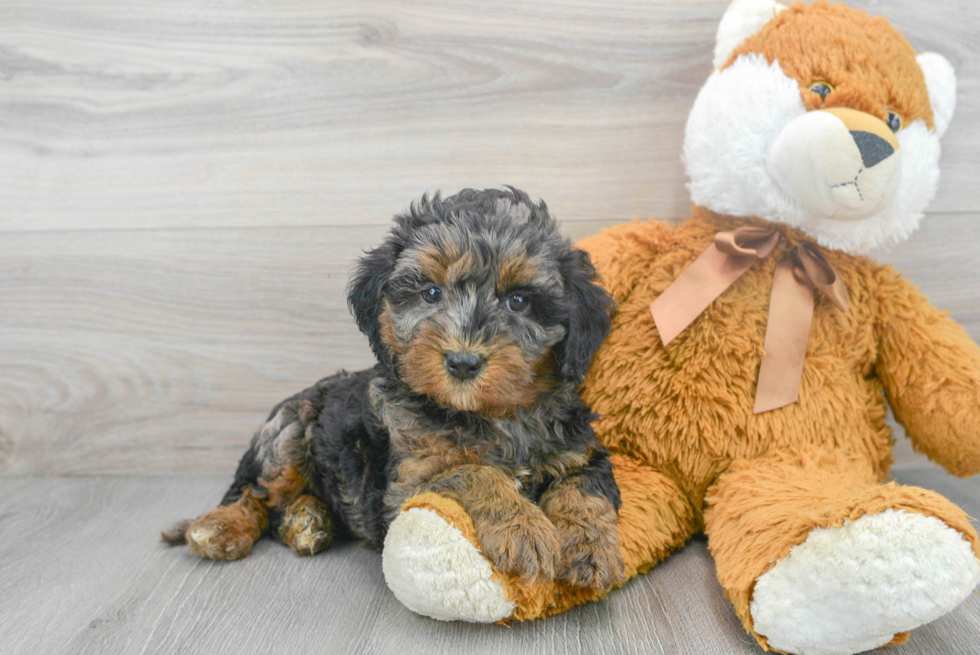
column 623, row 254
column 931, row 371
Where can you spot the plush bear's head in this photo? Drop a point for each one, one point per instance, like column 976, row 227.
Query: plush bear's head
column 820, row 117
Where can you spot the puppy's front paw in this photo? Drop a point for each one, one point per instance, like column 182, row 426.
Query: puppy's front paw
column 223, row 533
column 588, row 561
column 526, row 545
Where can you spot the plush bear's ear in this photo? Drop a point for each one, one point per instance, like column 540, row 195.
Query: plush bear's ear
column 589, row 308
column 941, row 82
column 742, row 19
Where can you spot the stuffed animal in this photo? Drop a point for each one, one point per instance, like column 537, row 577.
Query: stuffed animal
column 742, row 390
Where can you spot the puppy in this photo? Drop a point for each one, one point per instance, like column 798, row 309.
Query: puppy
column 483, row 319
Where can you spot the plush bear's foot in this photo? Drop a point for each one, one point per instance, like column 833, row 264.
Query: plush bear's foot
column 854, row 588
column 435, row 570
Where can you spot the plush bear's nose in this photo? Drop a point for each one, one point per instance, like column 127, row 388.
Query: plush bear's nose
column 464, row 365
column 872, row 147
column 840, row 164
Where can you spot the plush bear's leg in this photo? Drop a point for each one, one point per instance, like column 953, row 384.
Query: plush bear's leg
column 818, row 558
column 433, row 562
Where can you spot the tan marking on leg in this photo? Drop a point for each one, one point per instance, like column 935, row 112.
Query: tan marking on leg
column 307, row 527
column 228, row 532
column 589, row 542
column 284, row 488
column 514, row 533
column 434, row 458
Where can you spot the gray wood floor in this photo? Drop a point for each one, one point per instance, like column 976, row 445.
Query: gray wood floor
column 183, row 187
column 83, row 572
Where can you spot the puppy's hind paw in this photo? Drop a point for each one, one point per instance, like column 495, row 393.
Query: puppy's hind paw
column 226, row 532
column 306, row 526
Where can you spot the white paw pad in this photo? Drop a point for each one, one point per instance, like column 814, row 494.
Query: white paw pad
column 851, row 589
column 435, row 571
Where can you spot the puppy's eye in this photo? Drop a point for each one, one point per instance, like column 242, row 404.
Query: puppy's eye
column 432, row 295
column 518, row 302
column 894, row 121
column 822, row 89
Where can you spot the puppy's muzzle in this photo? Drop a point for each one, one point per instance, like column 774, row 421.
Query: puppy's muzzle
column 464, row 365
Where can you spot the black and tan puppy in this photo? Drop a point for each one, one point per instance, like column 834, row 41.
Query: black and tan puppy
column 483, row 319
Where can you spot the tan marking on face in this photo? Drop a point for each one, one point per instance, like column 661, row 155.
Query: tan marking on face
column 432, row 263
column 516, row 271
column 465, row 265
column 388, row 336
column 435, row 262
column 508, row 380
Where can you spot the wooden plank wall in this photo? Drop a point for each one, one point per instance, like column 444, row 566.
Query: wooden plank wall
column 184, row 185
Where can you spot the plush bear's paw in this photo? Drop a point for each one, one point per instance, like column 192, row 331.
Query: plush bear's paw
column 434, row 570
column 854, row 588
column 223, row 533
column 526, row 545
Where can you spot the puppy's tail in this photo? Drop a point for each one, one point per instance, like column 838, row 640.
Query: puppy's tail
column 176, row 534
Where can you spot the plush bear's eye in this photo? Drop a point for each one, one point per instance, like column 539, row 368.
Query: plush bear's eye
column 432, row 295
column 894, row 121
column 822, row 89
column 518, row 302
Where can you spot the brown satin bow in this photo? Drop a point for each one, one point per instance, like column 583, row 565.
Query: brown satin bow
column 790, row 306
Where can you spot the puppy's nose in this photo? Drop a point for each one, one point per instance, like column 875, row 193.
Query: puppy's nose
column 464, row 365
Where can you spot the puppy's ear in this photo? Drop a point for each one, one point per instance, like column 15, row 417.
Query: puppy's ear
column 365, row 292
column 589, row 309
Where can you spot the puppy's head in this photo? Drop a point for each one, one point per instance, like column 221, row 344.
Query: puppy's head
column 478, row 302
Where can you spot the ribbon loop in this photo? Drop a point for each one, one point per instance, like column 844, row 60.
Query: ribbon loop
column 748, row 241
column 822, row 274
column 790, row 308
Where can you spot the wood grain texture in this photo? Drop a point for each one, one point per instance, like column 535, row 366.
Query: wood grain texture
column 84, row 574
column 183, row 187
column 129, row 114
column 159, row 351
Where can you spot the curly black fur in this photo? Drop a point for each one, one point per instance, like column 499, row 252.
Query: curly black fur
column 364, row 442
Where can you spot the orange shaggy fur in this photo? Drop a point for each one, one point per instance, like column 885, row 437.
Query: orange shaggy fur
column 869, row 64
column 689, row 452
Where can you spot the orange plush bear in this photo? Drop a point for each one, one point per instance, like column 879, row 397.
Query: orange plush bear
column 749, row 402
